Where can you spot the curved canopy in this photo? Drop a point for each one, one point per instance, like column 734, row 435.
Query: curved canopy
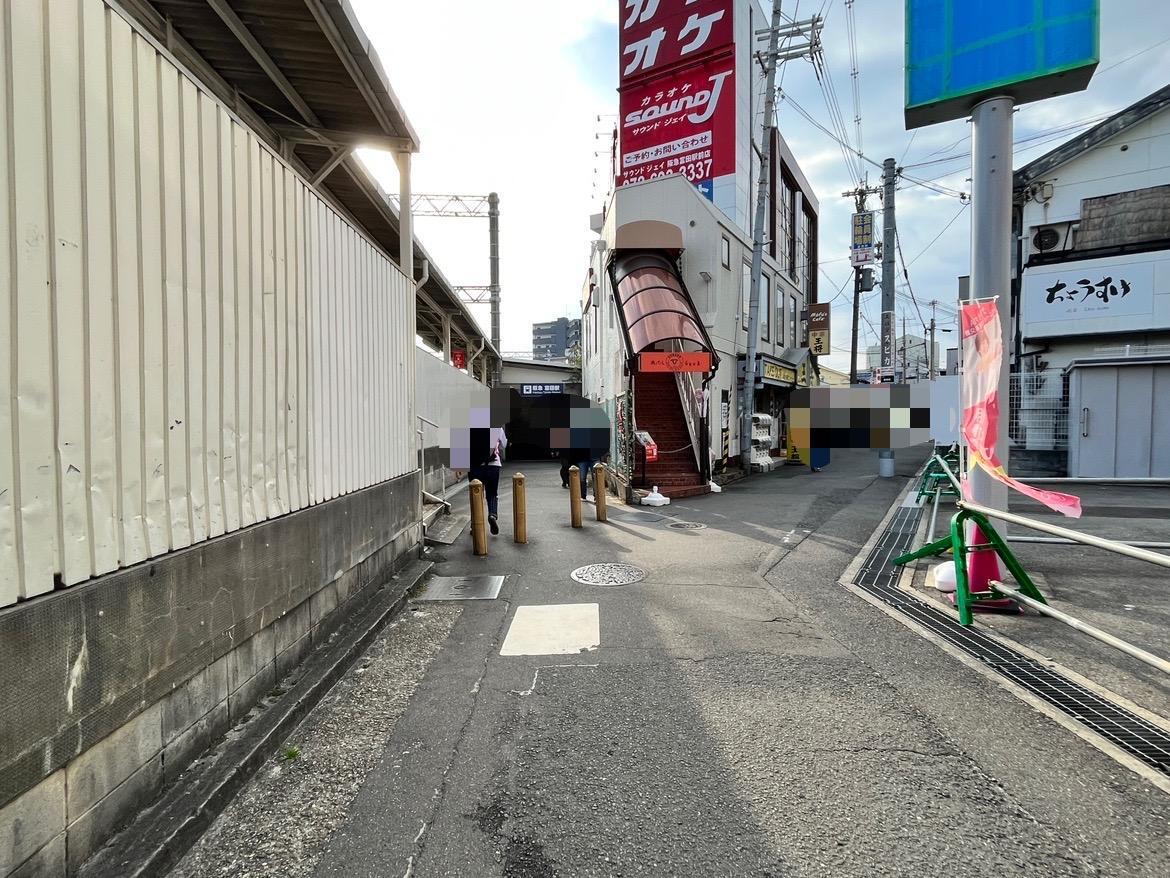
column 654, row 305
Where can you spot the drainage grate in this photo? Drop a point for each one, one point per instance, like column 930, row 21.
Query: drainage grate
column 461, row 588
column 1129, row 732
column 687, row 525
column 608, row 574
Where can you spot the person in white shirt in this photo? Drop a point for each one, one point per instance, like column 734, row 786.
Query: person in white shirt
column 489, row 474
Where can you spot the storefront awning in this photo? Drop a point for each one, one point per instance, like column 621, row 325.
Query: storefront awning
column 654, row 306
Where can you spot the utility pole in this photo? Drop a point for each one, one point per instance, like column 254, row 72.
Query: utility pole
column 930, row 355
column 747, row 403
column 905, row 360
column 889, row 244
column 494, row 276
column 859, row 270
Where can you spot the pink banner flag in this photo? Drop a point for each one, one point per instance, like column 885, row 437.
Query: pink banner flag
column 982, row 361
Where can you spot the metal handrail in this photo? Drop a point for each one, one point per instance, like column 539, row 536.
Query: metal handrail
column 1075, row 535
column 950, row 475
column 1117, row 643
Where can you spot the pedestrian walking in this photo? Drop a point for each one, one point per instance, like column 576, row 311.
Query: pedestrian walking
column 487, row 470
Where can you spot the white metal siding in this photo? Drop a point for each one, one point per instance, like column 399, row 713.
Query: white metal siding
column 194, row 340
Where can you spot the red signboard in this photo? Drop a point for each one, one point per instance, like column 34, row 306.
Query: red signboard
column 659, row 34
column 459, row 359
column 677, row 91
column 669, row 361
column 683, row 123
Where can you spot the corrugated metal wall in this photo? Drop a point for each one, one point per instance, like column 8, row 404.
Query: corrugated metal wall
column 194, row 341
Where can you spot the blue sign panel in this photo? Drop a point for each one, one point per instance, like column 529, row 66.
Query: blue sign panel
column 959, row 52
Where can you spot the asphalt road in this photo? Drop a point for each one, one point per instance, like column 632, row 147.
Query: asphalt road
column 735, row 713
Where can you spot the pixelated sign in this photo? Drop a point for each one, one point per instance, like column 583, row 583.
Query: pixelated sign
column 540, row 389
column 883, row 416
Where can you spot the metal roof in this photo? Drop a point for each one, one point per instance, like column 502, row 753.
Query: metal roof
column 1039, row 168
column 305, row 77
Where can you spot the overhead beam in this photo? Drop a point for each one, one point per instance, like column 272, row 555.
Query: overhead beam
column 261, row 57
column 329, row 28
column 338, row 156
column 315, row 135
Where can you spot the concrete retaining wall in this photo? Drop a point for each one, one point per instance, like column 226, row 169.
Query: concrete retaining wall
column 112, row 688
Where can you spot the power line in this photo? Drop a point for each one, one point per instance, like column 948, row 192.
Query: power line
column 1134, row 55
column 962, row 207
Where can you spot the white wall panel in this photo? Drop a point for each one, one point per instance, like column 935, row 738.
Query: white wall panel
column 197, row 340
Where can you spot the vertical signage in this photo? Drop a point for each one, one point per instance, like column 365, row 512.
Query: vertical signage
column 861, row 248
column 818, row 328
column 887, row 340
column 459, row 359
column 677, row 91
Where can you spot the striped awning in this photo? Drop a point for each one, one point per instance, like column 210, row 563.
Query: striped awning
column 654, row 305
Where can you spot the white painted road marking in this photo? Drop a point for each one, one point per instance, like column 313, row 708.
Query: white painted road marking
column 553, row 629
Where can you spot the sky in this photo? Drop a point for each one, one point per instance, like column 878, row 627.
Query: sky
column 512, row 97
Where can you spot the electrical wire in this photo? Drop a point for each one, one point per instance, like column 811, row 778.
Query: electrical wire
column 962, row 208
column 1134, row 55
column 906, row 275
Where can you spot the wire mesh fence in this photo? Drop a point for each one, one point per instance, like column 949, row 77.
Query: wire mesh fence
column 1039, row 411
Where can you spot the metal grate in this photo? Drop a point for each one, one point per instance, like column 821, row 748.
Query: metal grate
column 1131, row 733
column 608, row 574
column 687, row 525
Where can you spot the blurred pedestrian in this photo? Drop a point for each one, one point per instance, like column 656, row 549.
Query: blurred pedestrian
column 487, row 470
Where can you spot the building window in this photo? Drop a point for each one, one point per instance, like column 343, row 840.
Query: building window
column 788, row 222
column 745, row 295
column 765, row 305
column 779, row 315
column 725, row 253
column 792, row 317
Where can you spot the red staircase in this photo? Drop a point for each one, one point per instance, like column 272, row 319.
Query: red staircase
column 658, row 411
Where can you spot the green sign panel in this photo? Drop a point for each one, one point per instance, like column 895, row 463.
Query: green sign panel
column 959, row 52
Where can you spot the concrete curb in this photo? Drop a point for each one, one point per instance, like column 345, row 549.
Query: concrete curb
column 165, row 831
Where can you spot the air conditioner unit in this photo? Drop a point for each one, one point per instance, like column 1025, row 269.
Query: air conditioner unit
column 1053, row 237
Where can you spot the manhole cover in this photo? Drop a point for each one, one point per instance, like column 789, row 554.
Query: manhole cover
column 686, row 525
column 461, row 588
column 608, row 574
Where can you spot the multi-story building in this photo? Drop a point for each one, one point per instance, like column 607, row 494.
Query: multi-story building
column 554, row 339
column 666, row 301
column 1091, row 300
column 912, row 358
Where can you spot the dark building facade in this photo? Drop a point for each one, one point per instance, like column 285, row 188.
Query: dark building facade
column 554, row 339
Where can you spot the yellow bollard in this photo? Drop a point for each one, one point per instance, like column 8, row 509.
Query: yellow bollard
column 575, row 496
column 519, row 509
column 478, row 517
column 599, row 490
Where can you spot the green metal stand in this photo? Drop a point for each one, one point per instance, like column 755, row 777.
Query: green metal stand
column 965, row 600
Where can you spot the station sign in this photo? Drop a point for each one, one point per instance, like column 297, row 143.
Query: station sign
column 541, row 389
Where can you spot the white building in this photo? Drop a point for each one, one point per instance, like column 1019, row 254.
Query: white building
column 1091, row 299
column 670, row 272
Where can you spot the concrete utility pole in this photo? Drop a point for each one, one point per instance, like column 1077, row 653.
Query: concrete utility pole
column 889, row 243
column 747, row 404
column 494, row 276
column 930, row 355
column 991, row 197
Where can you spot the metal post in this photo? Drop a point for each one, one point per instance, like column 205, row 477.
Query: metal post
column 494, row 275
column 748, row 394
column 889, row 245
column 599, row 491
column 575, row 496
column 519, row 508
column 930, row 353
column 856, row 316
column 478, row 517
column 991, row 198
